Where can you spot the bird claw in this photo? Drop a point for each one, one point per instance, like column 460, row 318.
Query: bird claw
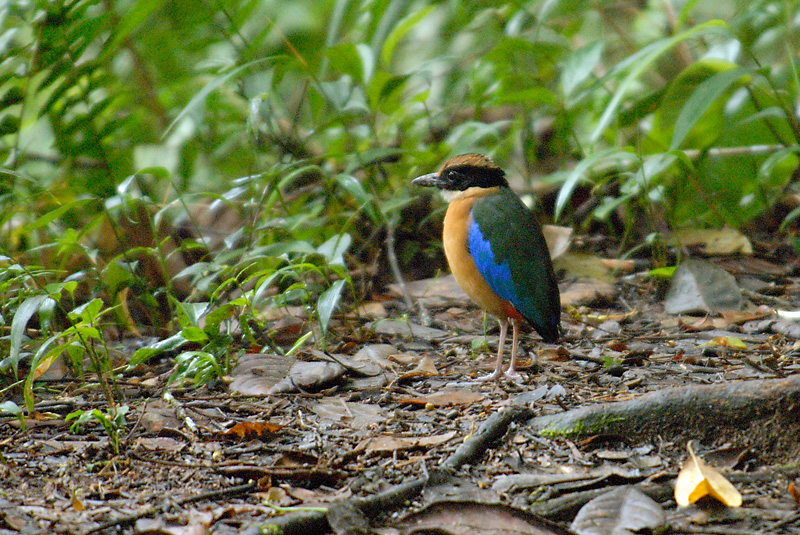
column 511, row 375
column 491, row 377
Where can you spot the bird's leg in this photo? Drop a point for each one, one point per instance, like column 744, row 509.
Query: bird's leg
column 498, row 367
column 511, row 372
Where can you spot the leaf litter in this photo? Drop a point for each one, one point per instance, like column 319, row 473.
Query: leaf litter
column 234, row 454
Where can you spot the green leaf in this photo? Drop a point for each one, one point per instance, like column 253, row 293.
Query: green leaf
column 328, row 302
column 346, row 59
column 333, row 250
column 353, row 186
column 579, row 66
column 220, row 314
column 298, row 344
column 211, row 86
column 133, row 17
column 662, row 273
column 527, row 97
column 639, row 62
column 23, row 314
column 116, row 276
column 145, row 353
column 9, row 407
column 189, row 314
column 399, row 31
column 190, row 333
column 579, row 172
column 705, row 95
column 52, row 215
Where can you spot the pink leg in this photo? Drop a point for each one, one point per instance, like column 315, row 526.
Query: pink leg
column 511, row 373
column 498, row 368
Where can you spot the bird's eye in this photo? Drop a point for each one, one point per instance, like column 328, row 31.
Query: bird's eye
column 454, row 176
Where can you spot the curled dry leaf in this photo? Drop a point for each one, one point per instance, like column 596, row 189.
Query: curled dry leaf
column 624, row 510
column 252, row 430
column 696, row 479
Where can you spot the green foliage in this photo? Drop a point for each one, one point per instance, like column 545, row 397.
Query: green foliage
column 9, row 407
column 112, row 421
column 304, row 121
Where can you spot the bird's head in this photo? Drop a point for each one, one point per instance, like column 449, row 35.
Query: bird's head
column 463, row 172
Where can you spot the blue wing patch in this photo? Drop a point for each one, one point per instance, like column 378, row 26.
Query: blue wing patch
column 497, row 275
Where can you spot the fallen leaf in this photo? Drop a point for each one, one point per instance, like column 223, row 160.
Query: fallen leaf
column 726, row 341
column 794, row 493
column 406, row 328
column 348, row 413
column 468, row 517
column 76, row 502
column 558, row 354
column 309, row 376
column 388, row 443
column 585, row 291
column 700, row 286
column 738, row 317
column 426, row 367
column 251, row 430
column 160, row 444
column 706, row 323
column 697, row 479
column 256, row 373
column 445, row 398
column 624, row 510
column 619, row 265
column 724, row 241
column 558, row 239
column 373, row 310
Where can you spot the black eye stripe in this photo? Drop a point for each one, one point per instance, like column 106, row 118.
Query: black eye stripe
column 466, row 176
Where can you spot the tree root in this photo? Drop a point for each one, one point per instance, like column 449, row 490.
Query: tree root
column 695, row 409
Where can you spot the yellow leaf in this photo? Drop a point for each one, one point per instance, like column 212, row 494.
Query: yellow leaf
column 696, row 479
column 727, row 341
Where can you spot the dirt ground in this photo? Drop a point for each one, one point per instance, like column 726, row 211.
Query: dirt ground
column 397, row 434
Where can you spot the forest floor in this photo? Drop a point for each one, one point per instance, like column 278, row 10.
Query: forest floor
column 388, row 431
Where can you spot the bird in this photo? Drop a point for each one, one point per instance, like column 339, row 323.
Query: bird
column 496, row 251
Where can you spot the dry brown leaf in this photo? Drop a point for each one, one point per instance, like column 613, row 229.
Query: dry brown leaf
column 696, row 479
column 251, row 430
column 724, row 241
column 794, row 493
column 436, row 439
column 619, row 265
column 160, row 444
column 706, row 323
column 76, row 502
column 738, row 317
column 558, row 239
column 558, row 354
column 386, row 443
column 445, row 398
column 426, row 367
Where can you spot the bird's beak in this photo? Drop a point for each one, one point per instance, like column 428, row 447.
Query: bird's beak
column 431, row 179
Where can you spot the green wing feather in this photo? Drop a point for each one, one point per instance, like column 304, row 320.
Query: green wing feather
column 517, row 248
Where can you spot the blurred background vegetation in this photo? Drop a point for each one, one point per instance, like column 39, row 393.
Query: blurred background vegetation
column 172, row 160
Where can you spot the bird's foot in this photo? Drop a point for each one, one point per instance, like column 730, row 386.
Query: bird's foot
column 497, row 374
column 511, row 375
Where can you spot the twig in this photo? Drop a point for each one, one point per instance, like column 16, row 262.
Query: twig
column 130, row 519
column 398, row 276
